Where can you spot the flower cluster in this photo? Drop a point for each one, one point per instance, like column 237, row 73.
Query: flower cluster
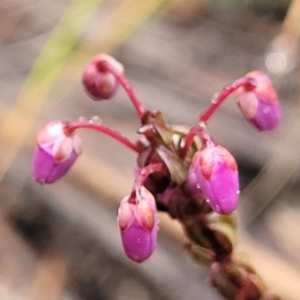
column 182, row 171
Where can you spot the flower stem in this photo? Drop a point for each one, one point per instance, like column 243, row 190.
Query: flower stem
column 139, row 107
column 139, row 181
column 247, row 83
column 197, row 130
column 146, row 171
column 72, row 126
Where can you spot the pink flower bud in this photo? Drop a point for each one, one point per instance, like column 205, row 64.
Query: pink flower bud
column 260, row 105
column 137, row 219
column 98, row 81
column 216, row 172
column 191, row 184
column 55, row 153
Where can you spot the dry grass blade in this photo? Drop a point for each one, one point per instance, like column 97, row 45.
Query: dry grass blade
column 50, row 278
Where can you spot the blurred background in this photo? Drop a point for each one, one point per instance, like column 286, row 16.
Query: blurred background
column 61, row 242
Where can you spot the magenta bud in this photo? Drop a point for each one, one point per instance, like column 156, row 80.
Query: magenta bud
column 137, row 220
column 99, row 83
column 191, row 184
column 260, row 105
column 55, row 153
column 215, row 170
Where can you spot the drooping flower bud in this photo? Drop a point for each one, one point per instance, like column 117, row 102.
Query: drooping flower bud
column 55, row 153
column 216, row 172
column 259, row 105
column 191, row 184
column 98, row 81
column 137, row 220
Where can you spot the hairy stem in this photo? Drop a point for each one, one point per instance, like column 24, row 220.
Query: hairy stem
column 70, row 127
column 247, row 83
column 139, row 107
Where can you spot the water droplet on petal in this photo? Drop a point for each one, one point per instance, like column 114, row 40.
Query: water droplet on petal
column 266, row 110
column 198, row 186
column 238, row 192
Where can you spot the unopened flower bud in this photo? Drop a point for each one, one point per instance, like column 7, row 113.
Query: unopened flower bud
column 137, row 219
column 192, row 184
column 216, row 172
column 98, row 81
column 259, row 105
column 55, row 153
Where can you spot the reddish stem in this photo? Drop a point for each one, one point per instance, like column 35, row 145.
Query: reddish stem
column 139, row 107
column 70, row 127
column 146, row 171
column 247, row 83
column 189, row 139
